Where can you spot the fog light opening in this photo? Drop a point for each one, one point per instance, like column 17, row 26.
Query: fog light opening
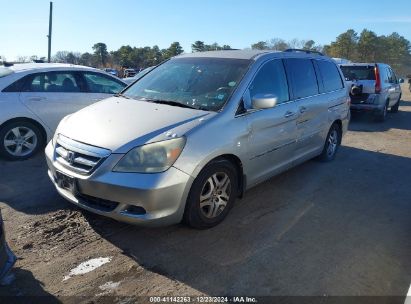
column 135, row 210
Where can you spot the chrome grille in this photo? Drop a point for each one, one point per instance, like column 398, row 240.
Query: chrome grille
column 79, row 157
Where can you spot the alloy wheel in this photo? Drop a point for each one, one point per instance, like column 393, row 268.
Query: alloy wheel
column 215, row 195
column 20, row 141
column 332, row 143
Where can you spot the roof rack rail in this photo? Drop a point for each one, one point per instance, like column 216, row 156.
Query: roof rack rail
column 304, row 51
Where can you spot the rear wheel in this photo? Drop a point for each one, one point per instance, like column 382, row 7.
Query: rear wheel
column 382, row 116
column 212, row 195
column 394, row 108
column 20, row 140
column 332, row 143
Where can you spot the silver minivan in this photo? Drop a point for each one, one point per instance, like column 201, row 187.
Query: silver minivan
column 193, row 134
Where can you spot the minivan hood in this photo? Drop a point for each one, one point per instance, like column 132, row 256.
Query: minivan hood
column 120, row 124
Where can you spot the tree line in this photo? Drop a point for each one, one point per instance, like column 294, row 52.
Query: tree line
column 367, row 46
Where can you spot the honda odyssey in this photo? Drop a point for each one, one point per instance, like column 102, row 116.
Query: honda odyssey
column 193, row 134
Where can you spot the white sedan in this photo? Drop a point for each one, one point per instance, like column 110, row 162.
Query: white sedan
column 35, row 97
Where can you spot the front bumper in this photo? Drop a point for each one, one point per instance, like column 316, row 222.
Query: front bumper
column 142, row 199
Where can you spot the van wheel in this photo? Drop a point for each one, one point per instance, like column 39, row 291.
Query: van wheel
column 394, row 108
column 382, row 116
column 20, row 140
column 212, row 195
column 332, row 143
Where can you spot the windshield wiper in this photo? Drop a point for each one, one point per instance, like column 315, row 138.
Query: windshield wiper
column 170, row 103
column 121, row 95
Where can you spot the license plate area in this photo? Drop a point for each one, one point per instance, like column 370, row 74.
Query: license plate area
column 66, row 182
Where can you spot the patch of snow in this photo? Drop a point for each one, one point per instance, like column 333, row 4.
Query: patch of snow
column 87, row 267
column 108, row 288
column 109, row 285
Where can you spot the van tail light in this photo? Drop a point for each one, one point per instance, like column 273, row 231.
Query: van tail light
column 349, row 101
column 377, row 80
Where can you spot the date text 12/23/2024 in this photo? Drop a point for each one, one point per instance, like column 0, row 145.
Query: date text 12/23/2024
column 203, row 299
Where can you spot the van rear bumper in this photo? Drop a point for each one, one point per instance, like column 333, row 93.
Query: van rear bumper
column 366, row 107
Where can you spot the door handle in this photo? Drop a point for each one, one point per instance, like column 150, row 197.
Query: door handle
column 289, row 114
column 303, row 109
column 36, row 98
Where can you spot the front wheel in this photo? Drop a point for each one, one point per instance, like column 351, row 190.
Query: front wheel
column 212, row 195
column 20, row 140
column 332, row 143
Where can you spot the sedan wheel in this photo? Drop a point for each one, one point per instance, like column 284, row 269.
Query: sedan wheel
column 20, row 140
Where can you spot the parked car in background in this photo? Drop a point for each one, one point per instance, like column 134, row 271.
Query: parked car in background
column 7, row 258
column 374, row 88
column 35, row 97
column 129, row 73
column 201, row 129
column 113, row 72
column 130, row 80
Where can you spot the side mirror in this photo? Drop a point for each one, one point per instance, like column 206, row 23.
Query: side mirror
column 264, row 101
column 401, row 80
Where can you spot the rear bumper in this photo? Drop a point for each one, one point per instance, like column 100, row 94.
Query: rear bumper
column 366, row 107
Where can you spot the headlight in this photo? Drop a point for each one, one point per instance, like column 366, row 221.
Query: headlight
column 54, row 139
column 151, row 158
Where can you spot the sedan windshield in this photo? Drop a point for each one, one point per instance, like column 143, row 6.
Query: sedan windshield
column 200, row 83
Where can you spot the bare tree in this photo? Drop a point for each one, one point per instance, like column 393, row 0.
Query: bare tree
column 23, row 59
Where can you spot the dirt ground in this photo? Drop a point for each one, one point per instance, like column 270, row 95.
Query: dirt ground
column 340, row 228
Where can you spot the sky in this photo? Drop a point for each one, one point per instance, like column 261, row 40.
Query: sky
column 78, row 24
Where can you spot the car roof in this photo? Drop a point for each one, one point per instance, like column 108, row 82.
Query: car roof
column 232, row 54
column 362, row 64
column 253, row 54
column 20, row 67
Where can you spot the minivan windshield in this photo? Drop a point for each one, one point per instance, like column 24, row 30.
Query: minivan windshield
column 200, row 83
column 359, row 72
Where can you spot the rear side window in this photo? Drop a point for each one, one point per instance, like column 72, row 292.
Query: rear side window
column 365, row 72
column 392, row 78
column 330, row 76
column 99, row 83
column 16, row 86
column 303, row 78
column 61, row 82
column 271, row 79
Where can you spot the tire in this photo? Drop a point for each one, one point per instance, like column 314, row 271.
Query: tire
column 382, row 116
column 218, row 196
column 394, row 108
column 332, row 144
column 20, row 140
